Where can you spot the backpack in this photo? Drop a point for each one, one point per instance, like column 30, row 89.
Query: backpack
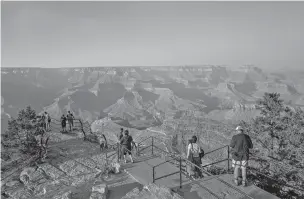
column 202, row 153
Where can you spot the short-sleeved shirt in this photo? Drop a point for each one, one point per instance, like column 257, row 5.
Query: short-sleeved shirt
column 70, row 116
column 241, row 143
column 63, row 119
column 126, row 140
column 194, row 149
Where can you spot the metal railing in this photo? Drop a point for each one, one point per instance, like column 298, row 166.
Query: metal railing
column 182, row 168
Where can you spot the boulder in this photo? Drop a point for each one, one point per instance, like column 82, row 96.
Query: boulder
column 99, row 191
column 116, row 166
column 12, row 183
column 25, row 175
column 101, row 188
column 97, row 195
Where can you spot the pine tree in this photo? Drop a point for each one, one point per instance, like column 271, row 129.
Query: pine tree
column 279, row 135
column 25, row 133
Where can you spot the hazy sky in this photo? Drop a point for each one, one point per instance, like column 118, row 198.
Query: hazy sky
column 63, row 34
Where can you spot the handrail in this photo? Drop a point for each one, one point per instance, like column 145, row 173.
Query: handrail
column 144, row 139
column 166, row 176
column 163, row 162
column 200, row 168
column 216, row 149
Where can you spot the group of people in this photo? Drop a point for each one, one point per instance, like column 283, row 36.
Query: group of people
column 126, row 143
column 240, row 145
column 69, row 118
column 46, row 121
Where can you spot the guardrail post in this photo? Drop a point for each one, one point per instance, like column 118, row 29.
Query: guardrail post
column 228, row 159
column 84, row 134
column 180, row 172
column 152, row 144
column 153, row 174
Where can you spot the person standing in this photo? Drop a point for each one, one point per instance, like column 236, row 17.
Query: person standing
column 120, row 136
column 49, row 122
column 46, row 121
column 70, row 118
column 63, row 123
column 240, row 145
column 43, row 121
column 193, row 155
column 126, row 142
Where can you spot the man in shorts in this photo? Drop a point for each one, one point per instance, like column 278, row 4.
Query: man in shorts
column 126, row 145
column 240, row 144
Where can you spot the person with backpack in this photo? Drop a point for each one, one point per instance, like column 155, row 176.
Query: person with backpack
column 240, row 145
column 70, row 118
column 63, row 123
column 194, row 155
column 126, row 145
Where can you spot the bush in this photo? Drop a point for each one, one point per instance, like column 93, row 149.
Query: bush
column 26, row 133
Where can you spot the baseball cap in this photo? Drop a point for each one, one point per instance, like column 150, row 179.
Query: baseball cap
column 239, row 128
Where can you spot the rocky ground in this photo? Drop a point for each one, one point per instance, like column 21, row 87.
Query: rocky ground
column 151, row 191
column 72, row 167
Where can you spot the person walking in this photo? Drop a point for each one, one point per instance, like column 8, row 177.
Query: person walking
column 70, row 118
column 240, row 145
column 126, row 142
column 194, row 155
column 63, row 123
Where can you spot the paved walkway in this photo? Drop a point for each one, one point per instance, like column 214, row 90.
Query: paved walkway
column 220, row 187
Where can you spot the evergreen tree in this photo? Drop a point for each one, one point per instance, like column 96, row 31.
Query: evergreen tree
column 279, row 136
column 25, row 133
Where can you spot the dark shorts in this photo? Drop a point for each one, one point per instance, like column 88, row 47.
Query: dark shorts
column 126, row 149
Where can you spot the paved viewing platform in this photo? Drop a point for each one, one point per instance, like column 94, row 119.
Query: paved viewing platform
column 220, row 186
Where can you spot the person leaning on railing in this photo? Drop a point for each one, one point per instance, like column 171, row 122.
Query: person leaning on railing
column 240, row 145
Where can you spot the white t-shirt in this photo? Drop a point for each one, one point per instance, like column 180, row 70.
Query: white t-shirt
column 194, row 149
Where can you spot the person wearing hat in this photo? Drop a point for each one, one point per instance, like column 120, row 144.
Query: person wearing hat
column 240, row 145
